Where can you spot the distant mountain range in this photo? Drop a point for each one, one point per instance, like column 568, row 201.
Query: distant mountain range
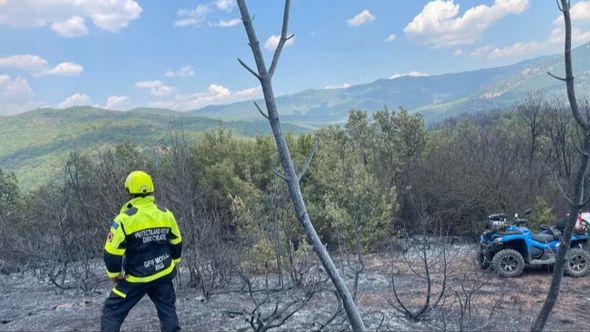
column 34, row 143
column 436, row 97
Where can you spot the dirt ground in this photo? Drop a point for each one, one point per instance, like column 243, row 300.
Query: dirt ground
column 496, row 304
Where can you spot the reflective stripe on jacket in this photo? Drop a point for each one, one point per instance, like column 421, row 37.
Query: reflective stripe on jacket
column 148, row 237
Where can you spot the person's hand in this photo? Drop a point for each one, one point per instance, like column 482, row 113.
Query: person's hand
column 118, row 278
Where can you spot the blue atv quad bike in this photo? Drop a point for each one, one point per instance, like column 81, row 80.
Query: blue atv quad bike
column 507, row 246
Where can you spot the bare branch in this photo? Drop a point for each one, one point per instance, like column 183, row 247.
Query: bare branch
column 260, row 110
column 283, row 40
column 561, row 190
column 277, row 173
column 249, row 69
column 307, row 161
column 556, row 77
column 403, row 310
column 583, row 153
column 584, row 202
column 561, row 9
column 569, row 71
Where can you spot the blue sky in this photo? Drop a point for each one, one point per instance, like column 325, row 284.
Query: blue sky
column 122, row 54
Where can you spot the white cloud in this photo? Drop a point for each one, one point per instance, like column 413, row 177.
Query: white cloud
column 361, row 18
column 77, row 99
column 66, row 69
column 14, row 88
column 66, row 17
column 215, row 94
column 157, row 88
column 185, row 71
column 440, row 24
column 391, row 38
column 338, row 86
column 227, row 23
column 192, row 17
column 26, row 62
column 515, row 49
column 74, row 27
column 553, row 42
column 580, row 11
column 273, row 41
column 16, row 95
column 38, row 66
column 458, row 52
column 410, row 74
column 482, row 51
column 227, row 5
column 557, row 36
column 116, row 102
column 198, row 15
column 579, row 36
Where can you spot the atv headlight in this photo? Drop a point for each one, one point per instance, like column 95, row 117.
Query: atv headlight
column 498, row 239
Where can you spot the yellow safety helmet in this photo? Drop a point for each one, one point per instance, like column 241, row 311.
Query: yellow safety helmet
column 139, row 182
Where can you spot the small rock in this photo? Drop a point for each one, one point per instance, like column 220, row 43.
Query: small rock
column 64, row 306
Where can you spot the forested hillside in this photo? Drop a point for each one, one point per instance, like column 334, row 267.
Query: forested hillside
column 34, row 144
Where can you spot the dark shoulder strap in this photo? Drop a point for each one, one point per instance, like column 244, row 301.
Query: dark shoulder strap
column 131, row 211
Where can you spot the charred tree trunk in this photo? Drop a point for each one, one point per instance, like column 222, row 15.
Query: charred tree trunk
column 291, row 177
column 577, row 201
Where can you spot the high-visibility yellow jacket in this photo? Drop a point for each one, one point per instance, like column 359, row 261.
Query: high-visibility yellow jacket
column 147, row 236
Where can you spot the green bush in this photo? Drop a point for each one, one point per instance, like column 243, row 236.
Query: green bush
column 261, row 258
column 542, row 214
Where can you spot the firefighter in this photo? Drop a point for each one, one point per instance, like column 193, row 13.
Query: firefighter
column 141, row 251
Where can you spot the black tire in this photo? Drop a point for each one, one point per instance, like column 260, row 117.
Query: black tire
column 482, row 261
column 578, row 263
column 508, row 263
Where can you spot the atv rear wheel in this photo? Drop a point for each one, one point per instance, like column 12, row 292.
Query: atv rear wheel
column 508, row 263
column 578, row 263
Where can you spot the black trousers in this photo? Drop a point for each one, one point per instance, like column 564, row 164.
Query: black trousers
column 125, row 296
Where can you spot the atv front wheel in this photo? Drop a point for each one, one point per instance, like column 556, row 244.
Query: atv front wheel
column 578, row 263
column 508, row 263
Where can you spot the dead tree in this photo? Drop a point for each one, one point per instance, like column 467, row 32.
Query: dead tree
column 470, row 308
column 275, row 305
column 531, row 109
column 427, row 257
column 577, row 201
column 291, row 176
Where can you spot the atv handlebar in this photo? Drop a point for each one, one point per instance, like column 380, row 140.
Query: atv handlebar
column 499, row 220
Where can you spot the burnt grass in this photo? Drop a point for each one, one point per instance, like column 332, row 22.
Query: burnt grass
column 29, row 304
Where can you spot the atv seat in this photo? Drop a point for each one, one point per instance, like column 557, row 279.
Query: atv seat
column 543, row 237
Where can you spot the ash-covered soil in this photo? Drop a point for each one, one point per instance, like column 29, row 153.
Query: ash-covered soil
column 27, row 304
